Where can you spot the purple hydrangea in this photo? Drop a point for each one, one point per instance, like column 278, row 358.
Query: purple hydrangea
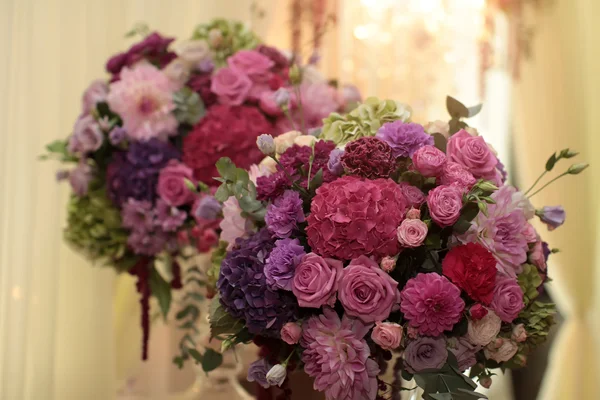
column 257, row 372
column 282, row 262
column 137, row 215
column 169, row 218
column 134, row 173
column 244, row 290
column 284, row 214
column 147, row 243
column 404, row 138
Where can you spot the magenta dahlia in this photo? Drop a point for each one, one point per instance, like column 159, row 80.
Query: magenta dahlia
column 337, row 357
column 352, row 216
column 431, row 303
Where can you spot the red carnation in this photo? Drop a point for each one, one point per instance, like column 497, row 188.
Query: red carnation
column 225, row 131
column 472, row 268
column 352, row 216
column 369, row 157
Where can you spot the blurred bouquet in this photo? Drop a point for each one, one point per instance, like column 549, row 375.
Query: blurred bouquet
column 146, row 141
column 382, row 236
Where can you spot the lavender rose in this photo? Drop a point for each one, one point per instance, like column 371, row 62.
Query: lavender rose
column 465, row 353
column 387, row 335
column 94, row 94
column 282, row 262
column 87, row 136
column 473, row 153
column 445, row 203
column 425, row 353
column 284, row 214
column 291, row 333
column 508, row 299
column 257, row 372
column 367, row 292
column 501, row 350
column 483, row 331
column 253, row 64
column 80, row 178
column 171, row 184
column 412, row 232
column 335, row 162
column 231, row 86
column 429, row 161
column 413, row 194
column 316, row 280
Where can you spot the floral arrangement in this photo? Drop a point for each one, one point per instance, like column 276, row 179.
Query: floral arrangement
column 147, row 138
column 381, row 240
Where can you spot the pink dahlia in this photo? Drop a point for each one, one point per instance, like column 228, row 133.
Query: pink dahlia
column 144, row 100
column 351, row 217
column 504, row 231
column 431, row 303
column 337, row 357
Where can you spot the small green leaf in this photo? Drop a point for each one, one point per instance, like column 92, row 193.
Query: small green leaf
column 222, row 193
column 461, row 226
column 316, row 180
column 190, row 185
column 440, row 141
column 221, row 322
column 551, row 162
column 57, row 146
column 226, row 168
column 161, row 289
column 211, row 360
column 473, row 111
column 483, row 207
column 178, row 360
column 195, row 355
column 190, row 310
column 455, row 108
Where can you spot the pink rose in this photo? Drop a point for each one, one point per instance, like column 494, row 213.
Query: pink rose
column 412, row 332
column 267, row 103
column 483, row 331
column 412, row 232
column 413, row 194
column 485, row 381
column 253, row 64
column 429, row 161
column 454, row 173
column 501, row 350
column 316, row 280
column 387, row 335
column 171, row 184
column 87, row 136
column 445, row 203
column 413, row 213
column 388, row 264
column 536, row 256
column 367, row 292
column 94, row 94
column 519, row 334
column 231, row 86
column 291, row 333
column 473, row 153
column 508, row 298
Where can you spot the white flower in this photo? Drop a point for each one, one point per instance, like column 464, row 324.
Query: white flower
column 501, row 350
column 305, row 140
column 482, row 332
column 438, row 126
column 178, row 71
column 310, row 74
column 285, row 141
column 193, row 51
column 403, row 111
column 269, row 163
column 276, row 375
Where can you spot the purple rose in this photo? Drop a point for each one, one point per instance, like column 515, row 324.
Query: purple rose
column 425, row 353
column 465, row 353
column 94, row 94
column 253, row 64
column 207, row 208
column 413, row 194
column 553, row 216
column 282, row 262
column 80, row 178
column 87, row 136
column 429, row 161
column 291, row 333
column 316, row 280
column 445, row 203
column 284, row 214
column 473, row 153
column 257, row 372
column 171, row 184
column 508, row 298
column 231, row 86
column 404, row 138
column 367, row 292
column 335, row 162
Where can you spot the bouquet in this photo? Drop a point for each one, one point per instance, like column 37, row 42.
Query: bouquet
column 147, row 138
column 383, row 244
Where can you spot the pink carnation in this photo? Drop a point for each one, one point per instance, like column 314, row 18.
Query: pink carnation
column 431, row 303
column 337, row 357
column 473, row 153
column 351, row 217
column 144, row 100
column 429, row 160
column 445, row 203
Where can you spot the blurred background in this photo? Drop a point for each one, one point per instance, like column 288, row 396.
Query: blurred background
column 70, row 332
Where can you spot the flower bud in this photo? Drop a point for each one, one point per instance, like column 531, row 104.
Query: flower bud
column 282, row 97
column 295, row 75
column 486, row 381
column 577, row 168
column 276, row 375
column 266, row 144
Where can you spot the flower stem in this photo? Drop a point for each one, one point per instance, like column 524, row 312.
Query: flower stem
column 542, row 188
column 299, row 100
column 310, row 164
column 536, row 182
column 286, row 111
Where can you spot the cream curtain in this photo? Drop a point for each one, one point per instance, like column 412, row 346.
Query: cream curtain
column 556, row 105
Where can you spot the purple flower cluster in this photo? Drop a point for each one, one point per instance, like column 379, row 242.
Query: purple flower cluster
column 282, row 262
column 404, row 138
column 244, row 290
column 134, row 173
column 284, row 214
column 154, row 48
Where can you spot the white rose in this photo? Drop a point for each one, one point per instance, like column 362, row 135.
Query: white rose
column 501, row 350
column 305, row 140
column 276, row 375
column 438, row 126
column 269, row 164
column 310, row 75
column 285, row 141
column 482, row 332
column 178, row 71
column 473, row 132
column 193, row 51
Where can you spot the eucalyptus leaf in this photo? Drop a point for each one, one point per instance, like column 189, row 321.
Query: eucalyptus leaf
column 551, row 162
column 211, row 360
column 455, row 108
column 440, row 141
column 473, row 111
column 221, row 322
column 196, row 355
column 161, row 289
column 222, row 193
column 226, row 168
column 189, row 310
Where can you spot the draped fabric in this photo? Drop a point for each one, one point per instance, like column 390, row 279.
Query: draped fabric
column 556, row 106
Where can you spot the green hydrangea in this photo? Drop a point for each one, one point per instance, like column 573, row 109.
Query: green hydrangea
column 234, row 36
column 94, row 228
column 364, row 120
column 216, row 258
column 529, row 281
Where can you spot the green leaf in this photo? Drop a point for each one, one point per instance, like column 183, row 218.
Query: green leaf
column 440, row 141
column 473, row 111
column 483, row 207
column 221, row 322
column 190, row 310
column 211, row 360
column 222, row 193
column 57, row 146
column 226, row 168
column 189, row 107
column 161, row 289
column 455, row 108
column 316, row 180
column 456, row 125
column 461, row 226
column 551, row 161
column 178, row 360
column 195, row 355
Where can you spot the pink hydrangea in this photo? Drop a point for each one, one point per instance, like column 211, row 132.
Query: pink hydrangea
column 337, row 357
column 431, row 303
column 143, row 97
